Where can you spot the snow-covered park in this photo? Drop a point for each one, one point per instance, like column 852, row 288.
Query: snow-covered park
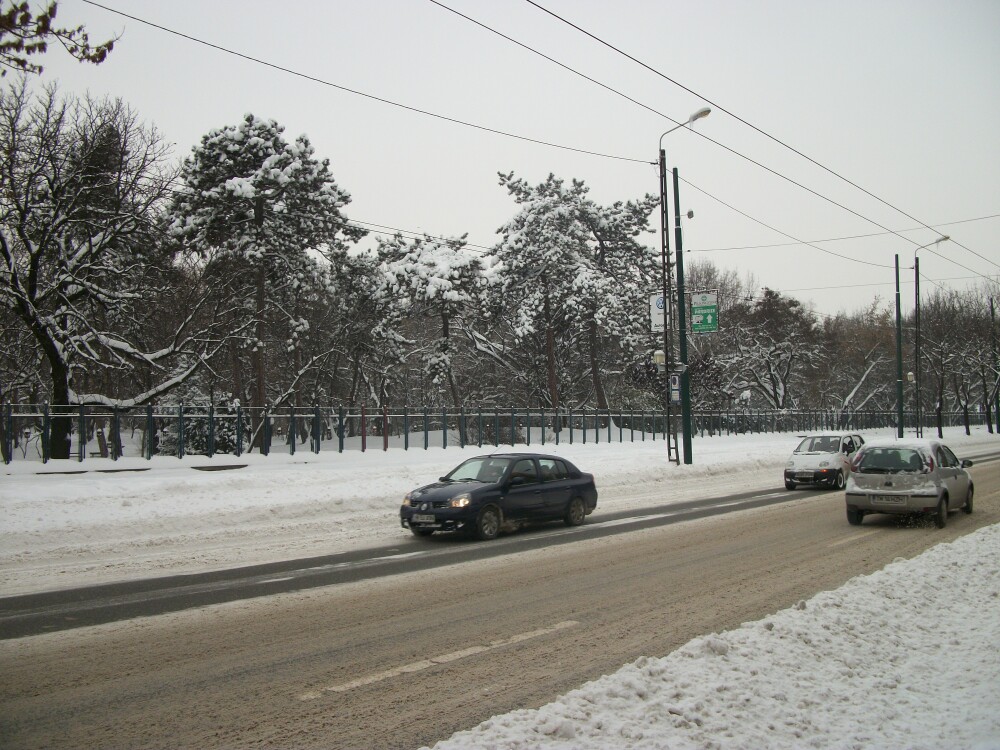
column 810, row 676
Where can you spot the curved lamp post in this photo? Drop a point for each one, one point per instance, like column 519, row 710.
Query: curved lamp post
column 916, row 325
column 681, row 312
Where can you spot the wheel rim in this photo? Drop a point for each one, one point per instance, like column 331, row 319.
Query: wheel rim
column 576, row 512
column 840, row 480
column 490, row 524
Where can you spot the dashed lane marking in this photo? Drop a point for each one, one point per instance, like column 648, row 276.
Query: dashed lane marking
column 852, row 538
column 418, row 666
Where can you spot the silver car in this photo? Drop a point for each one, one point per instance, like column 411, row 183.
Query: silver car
column 908, row 476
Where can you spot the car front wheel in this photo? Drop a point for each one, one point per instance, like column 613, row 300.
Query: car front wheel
column 487, row 524
column 575, row 512
column 839, row 480
column 789, row 485
column 968, row 501
column 941, row 515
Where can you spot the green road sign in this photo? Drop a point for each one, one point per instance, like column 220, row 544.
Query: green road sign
column 704, row 312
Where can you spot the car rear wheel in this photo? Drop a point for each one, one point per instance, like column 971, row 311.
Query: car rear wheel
column 487, row 524
column 855, row 516
column 941, row 515
column 576, row 511
column 968, row 501
column 839, row 481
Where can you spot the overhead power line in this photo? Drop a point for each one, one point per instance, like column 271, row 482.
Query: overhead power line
column 355, row 92
column 769, row 136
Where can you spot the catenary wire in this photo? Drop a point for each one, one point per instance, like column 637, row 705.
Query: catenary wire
column 330, row 84
column 769, row 136
column 495, row 131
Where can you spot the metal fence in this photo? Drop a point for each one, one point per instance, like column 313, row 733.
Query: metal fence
column 26, row 431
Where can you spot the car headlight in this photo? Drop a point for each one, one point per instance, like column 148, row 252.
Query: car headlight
column 407, row 500
column 460, row 501
column 824, row 464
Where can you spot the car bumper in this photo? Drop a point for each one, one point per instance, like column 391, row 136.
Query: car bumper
column 435, row 519
column 811, row 476
column 891, row 502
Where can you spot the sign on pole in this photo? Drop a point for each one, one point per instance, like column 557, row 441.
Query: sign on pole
column 657, row 319
column 705, row 312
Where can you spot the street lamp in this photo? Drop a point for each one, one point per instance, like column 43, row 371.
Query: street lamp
column 664, row 272
column 916, row 325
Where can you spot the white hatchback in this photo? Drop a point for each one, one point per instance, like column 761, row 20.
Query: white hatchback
column 822, row 460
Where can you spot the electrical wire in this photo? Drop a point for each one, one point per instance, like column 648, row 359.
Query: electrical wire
column 345, row 89
column 769, row 136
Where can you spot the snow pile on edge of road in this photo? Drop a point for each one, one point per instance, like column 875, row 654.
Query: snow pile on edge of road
column 908, row 656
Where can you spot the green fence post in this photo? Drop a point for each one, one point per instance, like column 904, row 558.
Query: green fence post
column 211, row 430
column 239, row 430
column 341, row 428
column 81, row 429
column 427, row 428
column 180, row 430
column 385, row 428
column 461, row 429
column 46, row 433
column 265, row 443
column 317, row 429
column 149, row 432
column 406, row 428
column 480, row 427
column 293, row 431
column 570, row 413
column 444, row 428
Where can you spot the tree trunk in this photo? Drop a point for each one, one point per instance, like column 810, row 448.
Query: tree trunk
column 595, row 369
column 260, row 376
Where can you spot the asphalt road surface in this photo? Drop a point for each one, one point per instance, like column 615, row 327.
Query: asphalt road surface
column 403, row 659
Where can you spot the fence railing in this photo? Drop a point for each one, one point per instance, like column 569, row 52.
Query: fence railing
column 27, row 431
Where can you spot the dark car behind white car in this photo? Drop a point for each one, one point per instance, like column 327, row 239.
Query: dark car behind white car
column 908, row 476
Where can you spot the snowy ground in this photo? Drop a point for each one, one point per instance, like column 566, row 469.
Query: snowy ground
column 810, row 676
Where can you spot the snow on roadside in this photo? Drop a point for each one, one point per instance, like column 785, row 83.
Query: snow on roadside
column 908, row 656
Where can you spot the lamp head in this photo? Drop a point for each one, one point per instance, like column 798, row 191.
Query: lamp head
column 703, row 112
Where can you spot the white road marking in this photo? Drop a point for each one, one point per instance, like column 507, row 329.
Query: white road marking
column 418, row 666
column 277, row 580
column 852, row 538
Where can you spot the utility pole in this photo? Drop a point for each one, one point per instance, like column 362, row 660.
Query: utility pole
column 899, row 359
column 682, row 328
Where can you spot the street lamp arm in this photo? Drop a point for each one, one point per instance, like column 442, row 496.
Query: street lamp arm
column 703, row 112
column 938, row 241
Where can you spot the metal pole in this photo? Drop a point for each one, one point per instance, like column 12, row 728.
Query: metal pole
column 682, row 328
column 665, row 278
column 996, row 368
column 899, row 359
column 916, row 340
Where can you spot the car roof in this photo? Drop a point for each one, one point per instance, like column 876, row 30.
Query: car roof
column 925, row 443
column 520, row 455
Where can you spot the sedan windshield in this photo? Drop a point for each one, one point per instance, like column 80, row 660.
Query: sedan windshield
column 890, row 460
column 822, row 444
column 485, row 469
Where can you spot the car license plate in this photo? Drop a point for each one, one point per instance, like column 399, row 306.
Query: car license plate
column 888, row 499
column 422, row 518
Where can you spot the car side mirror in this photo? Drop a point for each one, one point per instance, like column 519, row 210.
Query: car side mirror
column 442, row 479
column 966, row 463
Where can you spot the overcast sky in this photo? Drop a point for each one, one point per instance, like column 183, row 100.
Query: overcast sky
column 900, row 97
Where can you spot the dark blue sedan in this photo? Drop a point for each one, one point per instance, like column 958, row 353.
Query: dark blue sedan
column 505, row 490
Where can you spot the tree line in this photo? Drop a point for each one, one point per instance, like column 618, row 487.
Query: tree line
column 237, row 276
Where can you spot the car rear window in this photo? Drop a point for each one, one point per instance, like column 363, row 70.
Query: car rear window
column 886, row 460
